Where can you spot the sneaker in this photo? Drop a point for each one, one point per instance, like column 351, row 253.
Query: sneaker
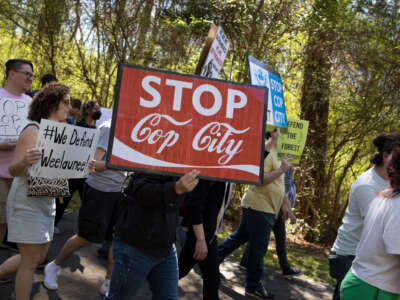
column 292, row 272
column 51, row 272
column 105, row 287
column 260, row 294
column 57, row 230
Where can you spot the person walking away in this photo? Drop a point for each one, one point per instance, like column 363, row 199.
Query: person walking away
column 260, row 207
column 279, row 230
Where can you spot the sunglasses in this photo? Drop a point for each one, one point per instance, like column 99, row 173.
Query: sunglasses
column 67, row 101
column 27, row 74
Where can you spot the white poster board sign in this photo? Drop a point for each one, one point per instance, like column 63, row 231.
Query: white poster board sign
column 13, row 118
column 216, row 56
column 66, row 150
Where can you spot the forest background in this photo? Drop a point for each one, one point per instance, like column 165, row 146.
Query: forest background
column 339, row 61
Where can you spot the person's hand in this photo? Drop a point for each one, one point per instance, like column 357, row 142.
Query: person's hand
column 32, row 156
column 285, row 212
column 92, row 166
column 286, row 163
column 6, row 146
column 201, row 250
column 292, row 218
column 187, row 182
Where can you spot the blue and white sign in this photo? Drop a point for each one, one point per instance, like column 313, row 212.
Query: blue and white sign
column 262, row 75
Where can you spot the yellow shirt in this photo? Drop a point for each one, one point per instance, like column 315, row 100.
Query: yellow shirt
column 267, row 198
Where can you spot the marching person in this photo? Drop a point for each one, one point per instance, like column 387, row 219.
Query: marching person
column 90, row 114
column 145, row 234
column 375, row 272
column 362, row 192
column 203, row 205
column 260, row 208
column 31, row 219
column 19, row 77
column 101, row 196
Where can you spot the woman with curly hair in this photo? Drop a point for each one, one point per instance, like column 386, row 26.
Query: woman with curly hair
column 31, row 219
column 375, row 272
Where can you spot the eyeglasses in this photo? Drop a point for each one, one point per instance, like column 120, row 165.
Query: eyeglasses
column 67, row 101
column 26, row 73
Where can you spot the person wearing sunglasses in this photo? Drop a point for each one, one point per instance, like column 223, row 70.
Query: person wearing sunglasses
column 19, row 76
column 31, row 219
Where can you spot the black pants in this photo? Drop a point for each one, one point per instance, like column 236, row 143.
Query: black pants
column 339, row 265
column 209, row 266
column 75, row 184
column 279, row 230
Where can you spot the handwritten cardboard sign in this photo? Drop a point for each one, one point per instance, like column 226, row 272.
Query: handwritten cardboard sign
column 13, row 118
column 293, row 142
column 262, row 75
column 173, row 123
column 66, row 150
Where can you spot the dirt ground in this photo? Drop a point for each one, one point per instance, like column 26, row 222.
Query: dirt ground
column 84, row 272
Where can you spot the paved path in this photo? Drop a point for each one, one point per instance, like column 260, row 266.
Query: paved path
column 84, row 272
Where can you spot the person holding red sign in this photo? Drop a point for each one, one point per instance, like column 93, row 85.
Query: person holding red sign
column 260, row 206
column 145, row 234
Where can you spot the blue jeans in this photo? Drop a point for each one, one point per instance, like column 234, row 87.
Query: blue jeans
column 255, row 228
column 132, row 267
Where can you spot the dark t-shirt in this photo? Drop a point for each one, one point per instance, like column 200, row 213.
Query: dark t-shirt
column 82, row 123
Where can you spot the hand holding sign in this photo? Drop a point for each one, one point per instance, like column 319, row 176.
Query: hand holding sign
column 187, row 182
column 31, row 156
column 286, row 163
column 92, row 166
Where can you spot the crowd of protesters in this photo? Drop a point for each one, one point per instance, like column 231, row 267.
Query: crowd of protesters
column 136, row 215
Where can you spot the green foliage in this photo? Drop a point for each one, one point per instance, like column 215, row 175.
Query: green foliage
column 339, row 61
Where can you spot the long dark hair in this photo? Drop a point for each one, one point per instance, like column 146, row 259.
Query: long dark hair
column 384, row 143
column 394, row 171
column 86, row 106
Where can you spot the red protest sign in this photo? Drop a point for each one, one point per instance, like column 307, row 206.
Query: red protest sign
column 173, row 123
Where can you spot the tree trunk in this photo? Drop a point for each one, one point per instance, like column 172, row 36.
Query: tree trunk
column 315, row 104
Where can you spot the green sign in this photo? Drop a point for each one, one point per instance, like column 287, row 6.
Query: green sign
column 293, row 142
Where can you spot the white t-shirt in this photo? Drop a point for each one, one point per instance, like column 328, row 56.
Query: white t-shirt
column 378, row 254
column 366, row 187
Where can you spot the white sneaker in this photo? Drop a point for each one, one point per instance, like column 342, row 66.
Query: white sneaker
column 51, row 272
column 105, row 287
